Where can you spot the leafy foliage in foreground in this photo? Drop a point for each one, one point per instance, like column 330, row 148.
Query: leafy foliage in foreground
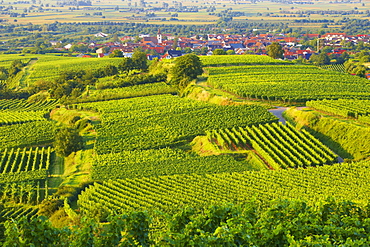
column 166, row 193
column 281, row 223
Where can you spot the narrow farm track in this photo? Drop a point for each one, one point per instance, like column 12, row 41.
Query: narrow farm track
column 26, row 72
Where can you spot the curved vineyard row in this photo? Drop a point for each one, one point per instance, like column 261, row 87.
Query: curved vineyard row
column 17, row 117
column 292, row 83
column 341, row 107
column 23, row 105
column 282, row 146
column 334, row 67
column 168, row 193
column 128, row 92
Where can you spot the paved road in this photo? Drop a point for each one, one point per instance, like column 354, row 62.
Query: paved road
column 278, row 112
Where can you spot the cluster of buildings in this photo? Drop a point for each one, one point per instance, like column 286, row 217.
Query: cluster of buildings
column 168, row 46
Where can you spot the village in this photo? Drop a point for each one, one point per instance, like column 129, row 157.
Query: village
column 168, row 46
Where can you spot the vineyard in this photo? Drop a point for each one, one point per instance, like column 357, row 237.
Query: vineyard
column 23, row 123
column 148, row 163
column 105, row 150
column 287, row 82
column 164, row 120
column 129, row 92
column 282, row 146
column 14, row 117
column 24, row 164
column 23, row 105
column 48, row 68
column 169, row 193
column 26, row 134
column 19, row 212
column 345, row 108
column 6, row 60
column 227, row 60
column 334, row 67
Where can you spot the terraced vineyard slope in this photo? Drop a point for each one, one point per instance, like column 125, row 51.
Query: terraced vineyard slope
column 227, row 60
column 281, row 146
column 296, row 83
column 164, row 120
column 168, row 193
column 359, row 109
column 24, row 164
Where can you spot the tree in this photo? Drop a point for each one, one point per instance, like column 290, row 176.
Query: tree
column 187, row 50
column 126, row 65
column 111, row 70
column 320, row 59
column 67, row 140
column 230, row 52
column 275, row 50
column 116, row 53
column 140, row 60
column 219, row 52
column 186, row 68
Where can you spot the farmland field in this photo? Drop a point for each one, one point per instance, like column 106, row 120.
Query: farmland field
column 48, row 68
column 122, row 11
column 165, row 120
column 281, row 146
column 288, row 83
column 344, row 181
column 227, row 60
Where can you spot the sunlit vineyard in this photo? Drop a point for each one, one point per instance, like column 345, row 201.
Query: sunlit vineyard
column 288, row 83
column 224, row 60
column 168, row 193
column 129, row 92
column 18, row 212
column 23, row 105
column 334, row 67
column 26, row 134
column 341, row 107
column 281, row 146
column 147, row 163
column 24, row 164
column 7, row 59
column 49, row 69
column 165, row 120
column 15, row 117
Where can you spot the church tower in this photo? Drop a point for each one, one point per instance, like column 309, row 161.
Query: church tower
column 159, row 37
